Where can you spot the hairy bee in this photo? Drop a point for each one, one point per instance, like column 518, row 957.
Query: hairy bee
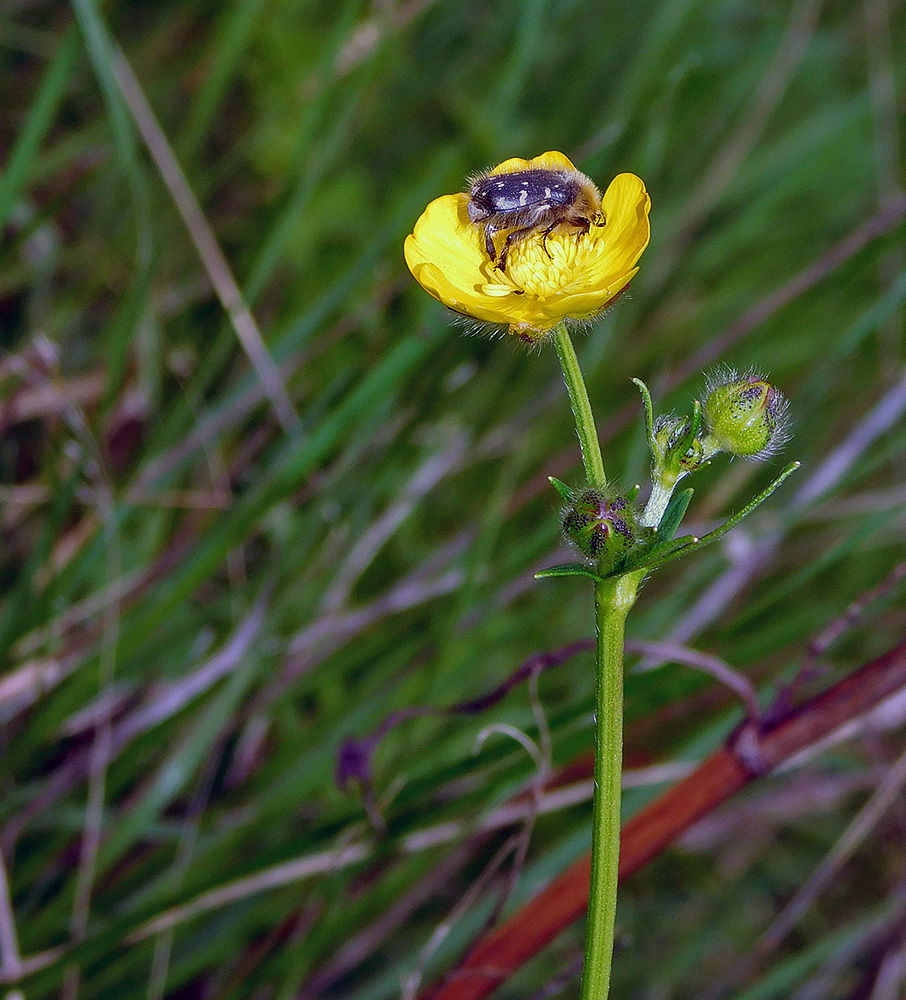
column 533, row 201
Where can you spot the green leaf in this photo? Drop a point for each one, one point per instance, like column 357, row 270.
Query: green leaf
column 566, row 494
column 661, row 553
column 567, row 569
column 718, row 533
column 673, row 515
column 669, row 551
column 649, row 415
column 20, row 163
column 102, row 53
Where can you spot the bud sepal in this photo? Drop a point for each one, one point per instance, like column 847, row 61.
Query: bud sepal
column 566, row 494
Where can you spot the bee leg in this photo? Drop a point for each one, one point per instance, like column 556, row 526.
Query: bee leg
column 514, row 237
column 489, row 247
column 505, row 249
column 501, row 260
column 544, row 237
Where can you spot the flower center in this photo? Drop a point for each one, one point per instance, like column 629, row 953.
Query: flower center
column 544, row 268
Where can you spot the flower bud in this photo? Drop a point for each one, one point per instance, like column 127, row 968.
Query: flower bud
column 600, row 525
column 679, row 450
column 745, row 415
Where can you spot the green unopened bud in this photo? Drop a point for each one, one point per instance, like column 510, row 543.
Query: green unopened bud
column 679, row 450
column 744, row 415
column 600, row 525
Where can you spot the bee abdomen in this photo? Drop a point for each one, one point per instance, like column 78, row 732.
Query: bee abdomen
column 529, row 191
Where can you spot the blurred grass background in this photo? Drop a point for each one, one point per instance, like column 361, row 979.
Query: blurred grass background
column 206, row 588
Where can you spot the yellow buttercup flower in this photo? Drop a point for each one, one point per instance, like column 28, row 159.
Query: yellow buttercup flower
column 551, row 274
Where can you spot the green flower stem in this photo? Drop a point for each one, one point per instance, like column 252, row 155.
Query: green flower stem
column 578, row 397
column 613, row 599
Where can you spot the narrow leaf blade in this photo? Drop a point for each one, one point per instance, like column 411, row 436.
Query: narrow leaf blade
column 567, row 569
column 673, row 515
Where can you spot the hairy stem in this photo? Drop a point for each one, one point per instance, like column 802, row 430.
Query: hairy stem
column 578, row 397
column 657, row 504
column 613, row 599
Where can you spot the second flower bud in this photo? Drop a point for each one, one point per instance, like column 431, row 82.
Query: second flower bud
column 601, row 525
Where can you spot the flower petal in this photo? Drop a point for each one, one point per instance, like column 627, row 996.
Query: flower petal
column 443, row 232
column 546, row 161
column 587, row 303
column 511, row 166
column 552, row 161
column 622, row 240
column 489, row 309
